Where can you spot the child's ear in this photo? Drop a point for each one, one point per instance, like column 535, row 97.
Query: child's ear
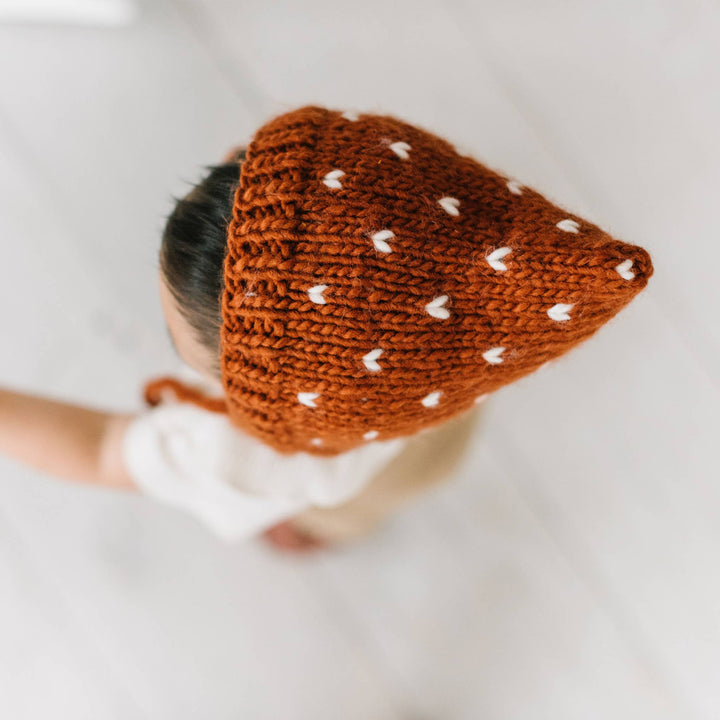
column 234, row 155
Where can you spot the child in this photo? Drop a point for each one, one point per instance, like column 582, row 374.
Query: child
column 344, row 293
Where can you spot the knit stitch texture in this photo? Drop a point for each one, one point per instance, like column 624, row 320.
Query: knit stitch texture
column 377, row 282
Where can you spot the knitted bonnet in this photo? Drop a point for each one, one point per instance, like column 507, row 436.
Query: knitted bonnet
column 377, row 282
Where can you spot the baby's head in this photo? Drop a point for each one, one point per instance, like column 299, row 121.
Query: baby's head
column 353, row 278
column 191, row 266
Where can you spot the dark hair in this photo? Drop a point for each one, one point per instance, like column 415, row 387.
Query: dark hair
column 193, row 250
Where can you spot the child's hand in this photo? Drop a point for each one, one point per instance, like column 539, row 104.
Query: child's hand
column 286, row 537
column 65, row 440
column 232, row 155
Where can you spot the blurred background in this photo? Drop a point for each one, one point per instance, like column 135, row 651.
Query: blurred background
column 570, row 570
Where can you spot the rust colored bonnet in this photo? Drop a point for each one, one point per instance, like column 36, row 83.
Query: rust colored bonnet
column 377, row 282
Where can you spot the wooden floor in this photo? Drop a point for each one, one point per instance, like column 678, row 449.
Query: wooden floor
column 572, row 569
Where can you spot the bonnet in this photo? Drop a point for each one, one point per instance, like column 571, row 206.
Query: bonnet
column 377, row 282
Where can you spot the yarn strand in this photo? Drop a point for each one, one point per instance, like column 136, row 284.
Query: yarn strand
column 155, row 392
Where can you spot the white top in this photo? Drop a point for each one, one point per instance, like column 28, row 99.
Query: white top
column 196, row 460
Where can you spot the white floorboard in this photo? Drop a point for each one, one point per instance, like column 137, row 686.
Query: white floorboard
column 49, row 667
column 474, row 611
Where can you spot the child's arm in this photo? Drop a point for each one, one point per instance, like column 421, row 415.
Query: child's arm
column 68, row 441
